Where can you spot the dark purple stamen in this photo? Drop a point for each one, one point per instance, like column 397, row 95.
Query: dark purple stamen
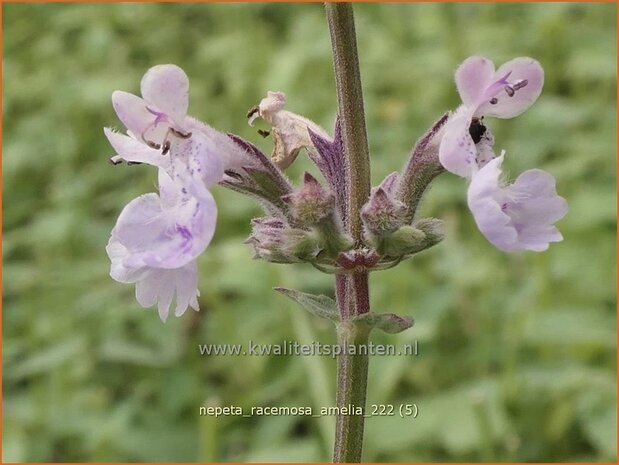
column 152, row 144
column 520, row 84
column 494, row 101
column 180, row 134
column 252, row 111
column 166, row 147
column 509, row 90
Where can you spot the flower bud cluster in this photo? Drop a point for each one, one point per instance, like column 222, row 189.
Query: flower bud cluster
column 311, row 204
column 311, row 224
column 275, row 241
column 312, row 231
column 386, row 227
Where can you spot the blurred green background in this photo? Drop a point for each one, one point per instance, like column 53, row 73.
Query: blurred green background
column 517, row 351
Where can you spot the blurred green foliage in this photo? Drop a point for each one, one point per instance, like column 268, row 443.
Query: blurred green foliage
column 517, row 351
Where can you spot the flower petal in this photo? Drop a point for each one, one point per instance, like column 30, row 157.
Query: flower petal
column 170, row 193
column 140, row 223
column 536, row 197
column 165, row 294
column 473, row 76
column 195, row 162
column 535, row 182
column 167, row 87
column 186, row 288
column 518, row 69
column 537, row 238
column 492, row 222
column 132, row 150
column 232, row 156
column 147, row 289
column 132, row 111
column 117, row 253
column 159, row 287
column 457, row 151
column 520, row 216
column 167, row 238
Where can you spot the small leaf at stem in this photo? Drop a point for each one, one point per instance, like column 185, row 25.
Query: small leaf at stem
column 319, row 305
column 387, row 322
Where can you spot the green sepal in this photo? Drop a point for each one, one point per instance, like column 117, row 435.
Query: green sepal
column 300, row 244
column 403, row 241
column 332, row 240
column 433, row 229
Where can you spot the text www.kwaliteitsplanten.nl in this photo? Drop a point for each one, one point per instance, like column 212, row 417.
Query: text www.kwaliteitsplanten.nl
column 295, row 348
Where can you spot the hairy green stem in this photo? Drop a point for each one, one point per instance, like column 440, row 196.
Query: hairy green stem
column 352, row 370
column 351, row 113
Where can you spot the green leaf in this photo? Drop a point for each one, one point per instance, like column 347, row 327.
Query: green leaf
column 387, row 322
column 319, row 305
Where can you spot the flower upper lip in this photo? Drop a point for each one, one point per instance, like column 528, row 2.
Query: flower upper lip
column 480, row 86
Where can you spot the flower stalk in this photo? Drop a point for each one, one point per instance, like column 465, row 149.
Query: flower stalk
column 352, row 291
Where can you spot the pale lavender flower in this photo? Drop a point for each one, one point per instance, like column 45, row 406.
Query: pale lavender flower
column 158, row 122
column 151, row 121
column 157, row 238
column 156, row 241
column 518, row 216
column 504, row 93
